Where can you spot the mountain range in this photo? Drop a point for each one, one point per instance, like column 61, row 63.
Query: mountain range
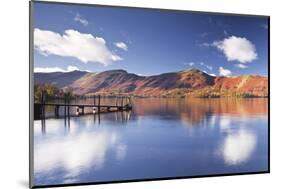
column 192, row 82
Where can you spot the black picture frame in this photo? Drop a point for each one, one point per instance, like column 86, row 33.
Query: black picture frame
column 31, row 100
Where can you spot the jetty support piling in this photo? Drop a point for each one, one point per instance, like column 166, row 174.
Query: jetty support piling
column 57, row 108
column 121, row 104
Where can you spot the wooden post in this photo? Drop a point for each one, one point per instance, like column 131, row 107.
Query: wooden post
column 77, row 110
column 43, row 98
column 68, row 123
column 41, row 107
column 83, row 110
column 94, row 100
column 64, row 105
column 130, row 100
column 55, row 111
column 129, row 114
column 122, row 116
column 99, row 118
column 57, row 108
column 68, row 101
column 43, row 126
column 116, row 115
column 99, row 104
column 130, row 106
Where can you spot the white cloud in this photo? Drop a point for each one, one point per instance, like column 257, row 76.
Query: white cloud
column 85, row 47
column 224, row 72
column 55, row 69
column 202, row 64
column 237, row 49
column 206, row 44
column 121, row 45
column 189, row 63
column 241, row 66
column 206, row 65
column 78, row 18
column 72, row 68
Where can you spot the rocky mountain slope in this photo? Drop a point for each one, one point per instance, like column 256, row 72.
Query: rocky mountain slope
column 191, row 82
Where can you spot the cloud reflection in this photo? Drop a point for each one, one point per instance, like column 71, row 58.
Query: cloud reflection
column 238, row 145
column 76, row 151
column 225, row 123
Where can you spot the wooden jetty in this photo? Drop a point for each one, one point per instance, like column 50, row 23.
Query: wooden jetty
column 122, row 103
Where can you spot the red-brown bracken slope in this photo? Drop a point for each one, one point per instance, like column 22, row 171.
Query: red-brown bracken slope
column 191, row 82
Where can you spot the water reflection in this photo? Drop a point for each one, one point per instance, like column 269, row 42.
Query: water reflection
column 237, row 148
column 158, row 138
column 79, row 150
column 193, row 111
column 239, row 139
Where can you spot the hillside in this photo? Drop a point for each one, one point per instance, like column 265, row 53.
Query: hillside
column 59, row 79
column 193, row 82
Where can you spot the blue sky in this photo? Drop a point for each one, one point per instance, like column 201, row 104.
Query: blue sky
column 147, row 42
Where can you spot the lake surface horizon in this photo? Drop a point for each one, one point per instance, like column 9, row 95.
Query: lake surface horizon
column 159, row 138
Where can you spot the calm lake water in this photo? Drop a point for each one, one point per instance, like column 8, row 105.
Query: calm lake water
column 159, row 138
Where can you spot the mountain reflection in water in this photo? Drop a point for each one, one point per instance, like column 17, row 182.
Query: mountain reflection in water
column 159, row 138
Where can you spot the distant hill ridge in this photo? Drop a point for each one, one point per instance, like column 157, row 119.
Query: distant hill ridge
column 192, row 82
